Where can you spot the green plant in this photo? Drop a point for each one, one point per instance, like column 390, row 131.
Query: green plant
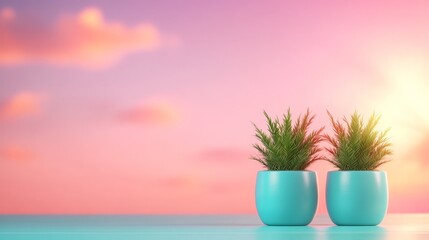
column 288, row 146
column 356, row 145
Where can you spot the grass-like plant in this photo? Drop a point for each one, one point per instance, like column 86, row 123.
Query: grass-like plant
column 288, row 146
column 357, row 146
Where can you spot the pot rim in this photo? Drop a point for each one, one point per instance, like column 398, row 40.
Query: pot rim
column 285, row 171
column 345, row 171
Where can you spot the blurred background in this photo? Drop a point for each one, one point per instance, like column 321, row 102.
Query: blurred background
column 146, row 107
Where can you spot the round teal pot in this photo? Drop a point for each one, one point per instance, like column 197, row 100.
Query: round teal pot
column 357, row 198
column 286, row 198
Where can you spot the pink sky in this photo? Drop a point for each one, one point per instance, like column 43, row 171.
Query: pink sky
column 146, row 107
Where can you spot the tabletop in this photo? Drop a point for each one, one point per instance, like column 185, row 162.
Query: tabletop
column 394, row 226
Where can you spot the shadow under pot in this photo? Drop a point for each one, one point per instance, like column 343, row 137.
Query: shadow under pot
column 357, row 198
column 286, row 198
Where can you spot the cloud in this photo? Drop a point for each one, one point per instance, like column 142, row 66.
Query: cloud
column 86, row 39
column 181, row 181
column 223, row 155
column 22, row 104
column 151, row 113
column 15, row 153
column 7, row 14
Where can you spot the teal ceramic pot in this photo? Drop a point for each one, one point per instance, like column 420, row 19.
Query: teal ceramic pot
column 286, row 198
column 357, row 198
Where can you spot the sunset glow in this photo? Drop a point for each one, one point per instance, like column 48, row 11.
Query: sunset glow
column 129, row 107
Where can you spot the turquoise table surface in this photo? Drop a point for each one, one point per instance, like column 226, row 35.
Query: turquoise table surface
column 394, row 226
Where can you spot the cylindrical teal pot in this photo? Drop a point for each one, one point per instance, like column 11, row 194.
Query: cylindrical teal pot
column 357, row 198
column 286, row 198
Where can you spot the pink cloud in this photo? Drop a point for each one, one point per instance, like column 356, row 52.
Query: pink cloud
column 224, row 155
column 151, row 113
column 222, row 187
column 7, row 14
column 22, row 104
column 180, row 181
column 15, row 153
column 86, row 39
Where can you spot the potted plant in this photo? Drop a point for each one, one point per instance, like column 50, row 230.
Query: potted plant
column 286, row 194
column 357, row 194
